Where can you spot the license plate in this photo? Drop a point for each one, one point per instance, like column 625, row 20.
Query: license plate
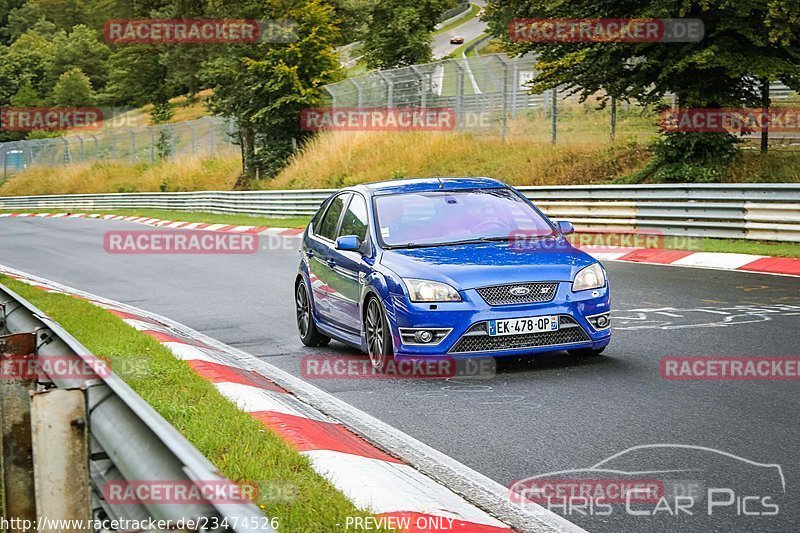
column 521, row 326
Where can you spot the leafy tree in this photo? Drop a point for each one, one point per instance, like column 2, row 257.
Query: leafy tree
column 32, row 57
column 26, row 96
column 352, row 17
column 135, row 76
column 67, row 13
column 26, row 17
column 745, row 43
column 266, row 86
column 82, row 49
column 400, row 32
column 73, row 89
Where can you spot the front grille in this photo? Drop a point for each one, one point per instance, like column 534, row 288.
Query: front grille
column 501, row 294
column 477, row 338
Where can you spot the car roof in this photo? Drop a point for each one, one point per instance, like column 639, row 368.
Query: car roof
column 429, row 184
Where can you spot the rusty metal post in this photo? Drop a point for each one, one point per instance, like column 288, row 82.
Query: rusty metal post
column 62, row 470
column 16, row 450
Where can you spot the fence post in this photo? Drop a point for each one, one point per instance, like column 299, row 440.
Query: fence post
column 133, row 146
column 423, row 93
column 194, row 136
column 459, row 91
column 613, row 118
column 152, row 145
column 554, row 115
column 212, row 129
column 514, row 89
column 504, row 117
column 389, row 89
column 360, row 90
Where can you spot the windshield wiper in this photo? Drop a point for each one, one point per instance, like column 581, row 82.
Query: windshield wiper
column 477, row 240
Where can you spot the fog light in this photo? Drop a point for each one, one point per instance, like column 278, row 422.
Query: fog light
column 423, row 336
column 602, row 321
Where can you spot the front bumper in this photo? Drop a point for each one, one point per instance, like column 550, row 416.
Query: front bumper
column 469, row 336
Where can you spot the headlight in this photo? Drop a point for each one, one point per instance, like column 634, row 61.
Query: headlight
column 591, row 277
column 422, row 290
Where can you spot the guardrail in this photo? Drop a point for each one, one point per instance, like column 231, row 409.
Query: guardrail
column 741, row 211
column 84, row 431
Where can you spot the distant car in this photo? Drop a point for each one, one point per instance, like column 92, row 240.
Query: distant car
column 457, row 40
column 432, row 267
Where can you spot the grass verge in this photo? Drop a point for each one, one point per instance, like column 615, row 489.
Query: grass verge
column 186, row 216
column 238, row 445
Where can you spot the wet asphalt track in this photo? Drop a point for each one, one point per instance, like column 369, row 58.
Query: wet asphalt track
column 537, row 415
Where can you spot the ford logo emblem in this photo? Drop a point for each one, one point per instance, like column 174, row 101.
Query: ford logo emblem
column 519, row 291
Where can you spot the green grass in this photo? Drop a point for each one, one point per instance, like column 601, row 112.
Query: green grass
column 473, row 12
column 186, row 216
column 241, row 447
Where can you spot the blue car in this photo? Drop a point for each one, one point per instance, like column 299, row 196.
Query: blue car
column 456, row 267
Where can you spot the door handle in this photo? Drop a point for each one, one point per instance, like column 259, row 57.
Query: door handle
column 309, row 253
column 331, row 262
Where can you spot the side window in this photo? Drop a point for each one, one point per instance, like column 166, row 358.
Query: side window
column 327, row 227
column 318, row 216
column 355, row 219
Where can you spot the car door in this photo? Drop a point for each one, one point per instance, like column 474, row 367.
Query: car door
column 349, row 267
column 321, row 244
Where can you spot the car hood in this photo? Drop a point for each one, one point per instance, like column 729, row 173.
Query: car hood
column 478, row 265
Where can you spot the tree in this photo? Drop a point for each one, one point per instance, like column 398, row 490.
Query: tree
column 73, row 89
column 32, row 57
column 29, row 16
column 26, row 96
column 745, row 42
column 82, row 49
column 400, row 32
column 265, row 86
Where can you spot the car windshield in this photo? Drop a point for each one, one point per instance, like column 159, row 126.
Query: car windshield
column 443, row 218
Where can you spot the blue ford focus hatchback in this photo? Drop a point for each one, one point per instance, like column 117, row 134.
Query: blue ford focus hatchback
column 457, row 267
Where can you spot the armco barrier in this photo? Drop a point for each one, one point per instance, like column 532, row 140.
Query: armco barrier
column 66, row 436
column 742, row 211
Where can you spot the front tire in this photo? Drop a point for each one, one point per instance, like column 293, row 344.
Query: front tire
column 309, row 334
column 379, row 339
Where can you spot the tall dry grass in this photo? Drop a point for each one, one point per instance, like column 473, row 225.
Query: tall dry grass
column 336, row 159
column 183, row 174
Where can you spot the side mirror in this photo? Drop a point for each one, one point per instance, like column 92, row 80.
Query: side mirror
column 348, row 243
column 565, row 227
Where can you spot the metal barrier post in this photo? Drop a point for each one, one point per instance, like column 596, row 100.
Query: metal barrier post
column 16, row 447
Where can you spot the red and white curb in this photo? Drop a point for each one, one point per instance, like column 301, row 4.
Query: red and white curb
column 374, row 480
column 159, row 223
column 721, row 261
column 653, row 256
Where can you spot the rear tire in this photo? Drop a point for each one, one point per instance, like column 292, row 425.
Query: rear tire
column 586, row 352
column 379, row 338
column 309, row 334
